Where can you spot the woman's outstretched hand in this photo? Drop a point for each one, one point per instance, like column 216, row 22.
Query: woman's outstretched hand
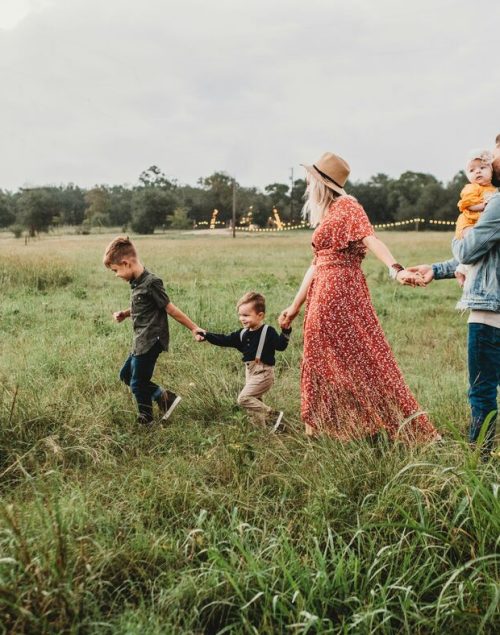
column 287, row 316
column 411, row 278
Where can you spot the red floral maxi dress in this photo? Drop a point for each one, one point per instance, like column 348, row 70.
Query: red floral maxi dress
column 350, row 382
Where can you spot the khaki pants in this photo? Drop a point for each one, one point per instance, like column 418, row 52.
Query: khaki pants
column 259, row 379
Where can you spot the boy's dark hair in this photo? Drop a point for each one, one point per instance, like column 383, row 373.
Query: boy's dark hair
column 497, row 140
column 257, row 299
column 118, row 250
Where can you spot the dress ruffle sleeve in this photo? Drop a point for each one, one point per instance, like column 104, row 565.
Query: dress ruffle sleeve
column 356, row 224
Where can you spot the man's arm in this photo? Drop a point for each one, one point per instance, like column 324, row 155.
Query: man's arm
column 482, row 237
column 437, row 271
column 446, row 269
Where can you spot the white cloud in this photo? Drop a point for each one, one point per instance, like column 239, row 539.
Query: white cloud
column 96, row 92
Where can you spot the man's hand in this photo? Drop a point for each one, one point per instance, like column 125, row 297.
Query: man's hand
column 477, row 208
column 425, row 271
column 460, row 278
column 119, row 316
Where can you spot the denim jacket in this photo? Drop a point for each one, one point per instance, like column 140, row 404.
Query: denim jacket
column 480, row 248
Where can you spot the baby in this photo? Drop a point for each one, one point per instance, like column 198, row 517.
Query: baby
column 474, row 197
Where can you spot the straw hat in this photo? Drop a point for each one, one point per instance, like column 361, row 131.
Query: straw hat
column 331, row 170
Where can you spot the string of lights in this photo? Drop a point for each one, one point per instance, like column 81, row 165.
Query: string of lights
column 207, row 223
column 284, row 227
column 304, row 225
column 442, row 222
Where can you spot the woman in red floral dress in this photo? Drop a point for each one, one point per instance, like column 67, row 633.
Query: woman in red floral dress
column 351, row 385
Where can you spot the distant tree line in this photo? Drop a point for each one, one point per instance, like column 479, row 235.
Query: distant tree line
column 159, row 203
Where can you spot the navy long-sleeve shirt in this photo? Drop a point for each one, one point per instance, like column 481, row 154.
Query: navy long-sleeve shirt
column 249, row 343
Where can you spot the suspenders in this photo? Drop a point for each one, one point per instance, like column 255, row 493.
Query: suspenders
column 262, row 340
column 261, row 343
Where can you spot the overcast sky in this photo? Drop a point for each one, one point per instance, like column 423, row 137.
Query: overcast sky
column 95, row 91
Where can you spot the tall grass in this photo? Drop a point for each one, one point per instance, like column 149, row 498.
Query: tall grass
column 208, row 525
column 33, row 273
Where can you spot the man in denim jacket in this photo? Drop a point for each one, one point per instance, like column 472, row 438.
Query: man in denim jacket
column 481, row 294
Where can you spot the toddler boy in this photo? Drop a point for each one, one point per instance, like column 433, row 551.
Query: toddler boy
column 149, row 307
column 258, row 343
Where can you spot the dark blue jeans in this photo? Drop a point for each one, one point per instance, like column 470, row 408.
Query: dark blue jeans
column 484, row 378
column 136, row 373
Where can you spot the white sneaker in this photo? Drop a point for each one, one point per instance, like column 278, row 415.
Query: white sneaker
column 279, row 424
column 171, row 406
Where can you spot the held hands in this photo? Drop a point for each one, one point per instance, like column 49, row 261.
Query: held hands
column 411, row 278
column 425, row 271
column 287, row 316
column 119, row 316
column 198, row 334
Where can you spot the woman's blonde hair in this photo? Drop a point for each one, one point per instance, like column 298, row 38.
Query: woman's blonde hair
column 318, row 197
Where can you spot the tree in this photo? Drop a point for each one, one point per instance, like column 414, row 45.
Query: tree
column 453, row 189
column 278, row 197
column 151, row 207
column 37, row 207
column 298, row 192
column 98, row 207
column 153, row 201
column 278, row 193
column 261, row 209
column 154, row 177
column 218, row 188
column 194, row 199
column 433, row 202
column 72, row 199
column 408, row 190
column 120, row 205
column 376, row 197
column 7, row 214
column 179, row 219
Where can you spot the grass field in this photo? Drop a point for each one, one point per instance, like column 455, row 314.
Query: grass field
column 208, row 525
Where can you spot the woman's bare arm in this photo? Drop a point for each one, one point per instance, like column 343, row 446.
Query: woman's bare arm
column 289, row 314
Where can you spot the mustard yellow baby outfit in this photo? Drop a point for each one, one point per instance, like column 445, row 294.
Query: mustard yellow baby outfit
column 472, row 194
